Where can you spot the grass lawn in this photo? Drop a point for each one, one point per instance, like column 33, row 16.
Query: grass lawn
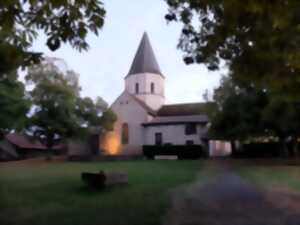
column 53, row 193
column 287, row 177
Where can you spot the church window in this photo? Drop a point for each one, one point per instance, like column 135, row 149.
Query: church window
column 189, row 142
column 190, row 128
column 152, row 88
column 125, row 133
column 158, row 139
column 137, row 88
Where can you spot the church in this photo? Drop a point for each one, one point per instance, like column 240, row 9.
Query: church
column 143, row 118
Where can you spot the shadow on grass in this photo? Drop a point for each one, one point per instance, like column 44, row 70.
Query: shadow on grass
column 88, row 190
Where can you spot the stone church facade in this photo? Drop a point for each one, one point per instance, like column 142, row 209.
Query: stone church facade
column 143, row 117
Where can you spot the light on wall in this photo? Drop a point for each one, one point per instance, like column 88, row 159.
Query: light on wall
column 110, row 143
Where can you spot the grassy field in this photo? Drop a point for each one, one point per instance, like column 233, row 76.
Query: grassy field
column 53, row 193
column 287, row 177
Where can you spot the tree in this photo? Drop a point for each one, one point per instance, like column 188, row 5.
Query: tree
column 13, row 104
column 59, row 111
column 62, row 21
column 282, row 118
column 247, row 113
column 258, row 40
column 239, row 112
column 108, row 119
column 91, row 112
column 54, row 97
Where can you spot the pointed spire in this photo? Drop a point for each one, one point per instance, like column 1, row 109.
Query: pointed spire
column 144, row 60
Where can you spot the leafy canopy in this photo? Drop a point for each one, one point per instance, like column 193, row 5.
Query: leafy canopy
column 13, row 104
column 258, row 40
column 246, row 113
column 239, row 112
column 59, row 111
column 62, row 21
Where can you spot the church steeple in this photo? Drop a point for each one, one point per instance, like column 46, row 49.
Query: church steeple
column 144, row 60
column 145, row 80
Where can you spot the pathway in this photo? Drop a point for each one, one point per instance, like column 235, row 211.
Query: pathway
column 229, row 200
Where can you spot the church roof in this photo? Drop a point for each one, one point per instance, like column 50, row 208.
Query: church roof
column 201, row 119
column 144, row 105
column 186, row 109
column 144, row 60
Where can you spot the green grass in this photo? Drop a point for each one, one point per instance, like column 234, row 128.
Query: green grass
column 50, row 194
column 273, row 176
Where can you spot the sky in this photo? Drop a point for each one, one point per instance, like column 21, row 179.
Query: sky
column 102, row 69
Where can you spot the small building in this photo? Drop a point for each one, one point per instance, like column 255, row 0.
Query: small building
column 143, row 116
column 21, row 146
column 7, row 151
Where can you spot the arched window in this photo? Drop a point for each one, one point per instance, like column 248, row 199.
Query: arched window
column 137, row 88
column 125, row 133
column 152, row 88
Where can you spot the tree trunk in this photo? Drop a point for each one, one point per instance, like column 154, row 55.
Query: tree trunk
column 233, row 148
column 2, row 134
column 283, row 148
column 49, row 145
column 295, row 147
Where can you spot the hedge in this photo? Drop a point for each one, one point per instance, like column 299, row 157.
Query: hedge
column 181, row 151
column 258, row 150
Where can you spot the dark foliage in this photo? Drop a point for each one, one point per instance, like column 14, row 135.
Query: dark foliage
column 182, row 151
column 264, row 150
column 61, row 21
column 258, row 40
column 259, row 150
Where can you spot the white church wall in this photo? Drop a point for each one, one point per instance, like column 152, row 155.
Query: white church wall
column 172, row 134
column 154, row 100
column 130, row 112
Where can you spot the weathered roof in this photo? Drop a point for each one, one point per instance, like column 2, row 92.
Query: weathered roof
column 8, row 148
column 145, row 60
column 186, row 109
column 177, row 120
column 25, row 142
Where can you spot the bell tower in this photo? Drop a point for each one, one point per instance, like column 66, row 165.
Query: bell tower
column 145, row 79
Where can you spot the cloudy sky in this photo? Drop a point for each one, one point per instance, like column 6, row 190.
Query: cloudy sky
column 102, row 69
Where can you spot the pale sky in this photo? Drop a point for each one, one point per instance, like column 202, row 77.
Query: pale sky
column 102, row 69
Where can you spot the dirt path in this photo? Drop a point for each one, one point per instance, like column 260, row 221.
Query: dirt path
column 229, row 200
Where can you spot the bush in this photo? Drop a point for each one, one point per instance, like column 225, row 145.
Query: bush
column 182, row 151
column 258, row 150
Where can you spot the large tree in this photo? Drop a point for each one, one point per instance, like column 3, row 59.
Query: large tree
column 258, row 40
column 248, row 113
column 59, row 111
column 238, row 115
column 14, row 105
column 61, row 21
column 21, row 21
column 281, row 118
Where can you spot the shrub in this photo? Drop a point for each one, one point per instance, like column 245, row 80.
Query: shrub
column 258, row 150
column 182, row 151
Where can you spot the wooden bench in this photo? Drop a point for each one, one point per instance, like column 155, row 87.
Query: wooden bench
column 101, row 180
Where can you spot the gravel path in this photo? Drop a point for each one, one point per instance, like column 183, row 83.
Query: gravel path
column 229, row 200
